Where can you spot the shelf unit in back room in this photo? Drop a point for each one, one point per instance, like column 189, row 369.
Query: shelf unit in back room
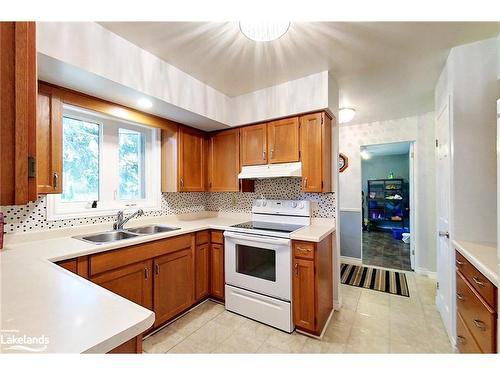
column 387, row 200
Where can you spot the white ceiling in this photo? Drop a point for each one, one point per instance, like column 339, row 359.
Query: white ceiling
column 384, row 70
column 386, row 149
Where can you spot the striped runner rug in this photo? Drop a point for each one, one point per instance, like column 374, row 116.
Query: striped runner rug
column 392, row 282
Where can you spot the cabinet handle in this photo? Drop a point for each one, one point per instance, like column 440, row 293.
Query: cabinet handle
column 146, row 273
column 157, row 269
column 305, row 182
column 263, row 155
column 55, row 180
column 461, row 339
column 459, row 263
column 272, row 154
column 478, row 282
column 296, row 267
column 480, row 324
column 182, row 182
column 459, row 297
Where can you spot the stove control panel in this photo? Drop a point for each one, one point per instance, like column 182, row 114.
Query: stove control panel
column 282, row 207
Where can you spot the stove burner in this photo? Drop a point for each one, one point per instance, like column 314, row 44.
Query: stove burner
column 272, row 227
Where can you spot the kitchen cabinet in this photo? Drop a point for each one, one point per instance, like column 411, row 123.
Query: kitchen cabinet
column 283, row 140
column 133, row 282
column 49, row 141
column 183, row 159
column 217, row 265
column 18, row 101
column 224, row 161
column 202, row 266
column 477, row 302
column 173, row 284
column 253, row 140
column 316, row 152
column 79, row 265
column 312, row 285
column 132, row 346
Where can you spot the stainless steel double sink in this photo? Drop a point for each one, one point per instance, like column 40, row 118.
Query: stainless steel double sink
column 123, row 234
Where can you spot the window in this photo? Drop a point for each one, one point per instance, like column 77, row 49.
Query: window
column 108, row 160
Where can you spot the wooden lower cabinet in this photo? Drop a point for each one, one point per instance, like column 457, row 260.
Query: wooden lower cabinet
column 312, row 284
column 217, row 265
column 133, row 282
column 476, row 309
column 79, row 265
column 202, row 271
column 132, row 346
column 173, row 284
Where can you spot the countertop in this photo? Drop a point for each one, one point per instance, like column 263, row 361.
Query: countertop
column 483, row 256
column 76, row 316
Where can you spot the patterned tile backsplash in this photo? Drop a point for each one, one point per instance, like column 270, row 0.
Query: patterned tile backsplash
column 33, row 215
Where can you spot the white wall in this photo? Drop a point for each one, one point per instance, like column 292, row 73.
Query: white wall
column 419, row 129
column 472, row 86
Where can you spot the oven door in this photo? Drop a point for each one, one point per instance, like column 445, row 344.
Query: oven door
column 258, row 263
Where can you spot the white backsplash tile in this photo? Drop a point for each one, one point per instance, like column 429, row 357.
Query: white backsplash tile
column 33, row 215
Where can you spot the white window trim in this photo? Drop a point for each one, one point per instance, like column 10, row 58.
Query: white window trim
column 56, row 210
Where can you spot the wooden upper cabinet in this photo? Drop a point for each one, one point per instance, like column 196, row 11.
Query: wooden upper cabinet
column 224, row 161
column 49, row 141
column 18, row 101
column 283, row 140
column 192, row 167
column 316, row 152
column 253, row 144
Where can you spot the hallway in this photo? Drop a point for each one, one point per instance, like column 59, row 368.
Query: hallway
column 380, row 249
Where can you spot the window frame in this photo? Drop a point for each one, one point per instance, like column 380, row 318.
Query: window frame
column 109, row 202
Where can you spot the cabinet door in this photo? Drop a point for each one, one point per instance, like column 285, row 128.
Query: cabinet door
column 311, row 152
column 224, row 161
column 18, row 112
column 303, row 292
column 173, row 285
column 191, row 160
column 49, row 142
column 253, row 145
column 201, row 264
column 217, row 271
column 283, row 140
column 133, row 282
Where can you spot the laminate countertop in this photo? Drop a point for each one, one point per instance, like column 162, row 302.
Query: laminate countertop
column 483, row 256
column 65, row 313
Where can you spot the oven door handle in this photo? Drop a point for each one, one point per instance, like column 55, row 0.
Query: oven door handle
column 250, row 237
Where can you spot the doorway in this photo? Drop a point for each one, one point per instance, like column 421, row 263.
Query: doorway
column 387, row 197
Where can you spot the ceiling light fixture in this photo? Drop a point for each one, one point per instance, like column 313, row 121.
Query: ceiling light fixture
column 346, row 115
column 263, row 31
column 145, row 103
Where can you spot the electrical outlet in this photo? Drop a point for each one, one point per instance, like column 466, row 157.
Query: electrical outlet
column 234, row 201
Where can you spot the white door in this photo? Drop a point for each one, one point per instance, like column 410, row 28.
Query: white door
column 445, row 257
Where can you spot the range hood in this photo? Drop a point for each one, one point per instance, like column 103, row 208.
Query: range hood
column 271, row 171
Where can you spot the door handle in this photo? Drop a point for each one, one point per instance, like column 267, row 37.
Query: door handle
column 444, row 234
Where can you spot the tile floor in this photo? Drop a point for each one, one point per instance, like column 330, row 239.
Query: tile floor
column 380, row 249
column 368, row 322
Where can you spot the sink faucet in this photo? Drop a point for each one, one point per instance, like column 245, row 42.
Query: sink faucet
column 121, row 221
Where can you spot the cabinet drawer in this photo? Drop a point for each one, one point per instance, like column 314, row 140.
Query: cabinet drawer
column 477, row 315
column 465, row 341
column 480, row 283
column 303, row 250
column 137, row 253
column 202, row 237
column 216, row 236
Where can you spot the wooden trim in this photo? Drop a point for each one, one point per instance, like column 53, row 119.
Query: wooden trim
column 93, row 103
